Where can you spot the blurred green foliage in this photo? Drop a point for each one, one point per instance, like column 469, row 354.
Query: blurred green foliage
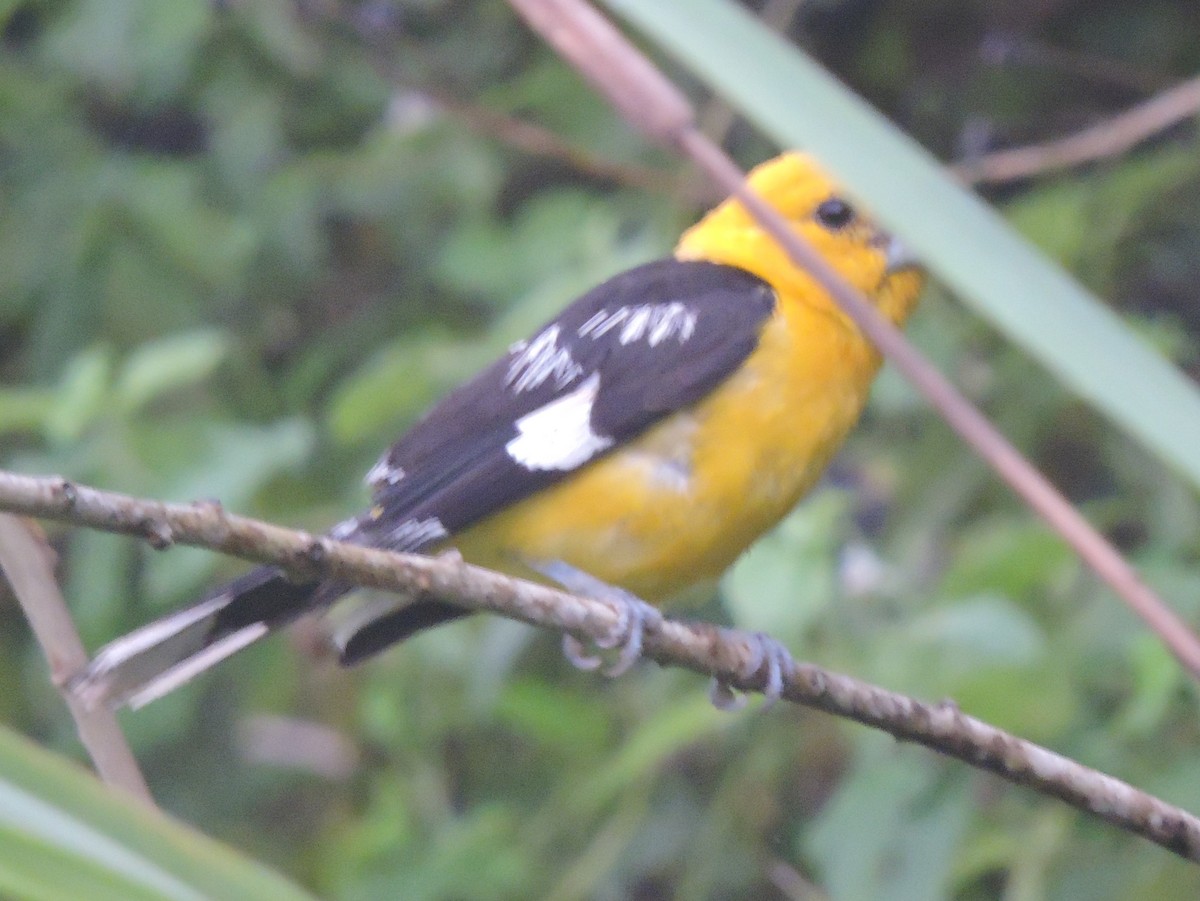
column 65, row 835
column 242, row 245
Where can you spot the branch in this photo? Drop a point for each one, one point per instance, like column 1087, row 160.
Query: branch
column 734, row 658
column 25, row 562
column 535, row 140
column 1108, row 138
column 652, row 104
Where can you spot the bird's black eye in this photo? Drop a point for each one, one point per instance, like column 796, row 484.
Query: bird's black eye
column 835, row 214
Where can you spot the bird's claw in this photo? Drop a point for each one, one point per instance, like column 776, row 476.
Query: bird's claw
column 579, row 656
column 625, row 637
column 765, row 652
column 725, row 697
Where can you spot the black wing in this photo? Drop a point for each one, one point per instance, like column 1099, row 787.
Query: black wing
column 629, row 352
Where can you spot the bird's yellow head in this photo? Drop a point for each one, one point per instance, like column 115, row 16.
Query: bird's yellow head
column 866, row 256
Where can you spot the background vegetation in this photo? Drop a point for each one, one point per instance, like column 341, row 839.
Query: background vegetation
column 243, row 244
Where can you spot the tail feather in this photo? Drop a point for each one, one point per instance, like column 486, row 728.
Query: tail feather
column 162, row 655
column 387, row 621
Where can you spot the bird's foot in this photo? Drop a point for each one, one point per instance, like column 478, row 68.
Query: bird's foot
column 635, row 615
column 768, row 653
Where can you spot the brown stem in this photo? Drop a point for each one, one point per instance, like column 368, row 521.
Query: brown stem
column 1111, row 137
column 25, row 560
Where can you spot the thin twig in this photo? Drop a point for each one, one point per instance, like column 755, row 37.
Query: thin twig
column 662, row 112
column 538, row 141
column 1112, row 137
column 25, row 561
column 735, row 658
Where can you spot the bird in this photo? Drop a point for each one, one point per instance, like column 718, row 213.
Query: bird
column 642, row 439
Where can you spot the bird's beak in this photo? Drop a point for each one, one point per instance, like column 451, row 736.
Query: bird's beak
column 899, row 257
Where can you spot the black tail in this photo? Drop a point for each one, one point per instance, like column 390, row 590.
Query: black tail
column 151, row 661
column 388, row 623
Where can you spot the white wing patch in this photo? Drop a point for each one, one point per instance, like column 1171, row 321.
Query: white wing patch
column 653, row 323
column 344, row 529
column 384, row 473
column 559, row 435
column 539, row 359
column 417, row 532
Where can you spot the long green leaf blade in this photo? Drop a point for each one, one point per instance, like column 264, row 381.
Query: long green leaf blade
column 793, row 99
column 64, row 835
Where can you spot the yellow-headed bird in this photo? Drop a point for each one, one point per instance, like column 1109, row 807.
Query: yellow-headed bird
column 645, row 436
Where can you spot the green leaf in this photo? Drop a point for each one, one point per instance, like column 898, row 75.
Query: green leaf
column 24, row 408
column 648, row 748
column 124, row 45
column 168, row 206
column 1157, row 679
column 906, row 824
column 796, row 102
column 552, row 717
column 394, row 385
column 81, row 393
column 788, row 578
column 161, row 366
column 982, row 631
column 64, row 835
column 237, row 459
column 1012, row 556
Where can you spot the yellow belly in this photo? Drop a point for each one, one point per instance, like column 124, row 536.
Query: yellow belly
column 677, row 506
